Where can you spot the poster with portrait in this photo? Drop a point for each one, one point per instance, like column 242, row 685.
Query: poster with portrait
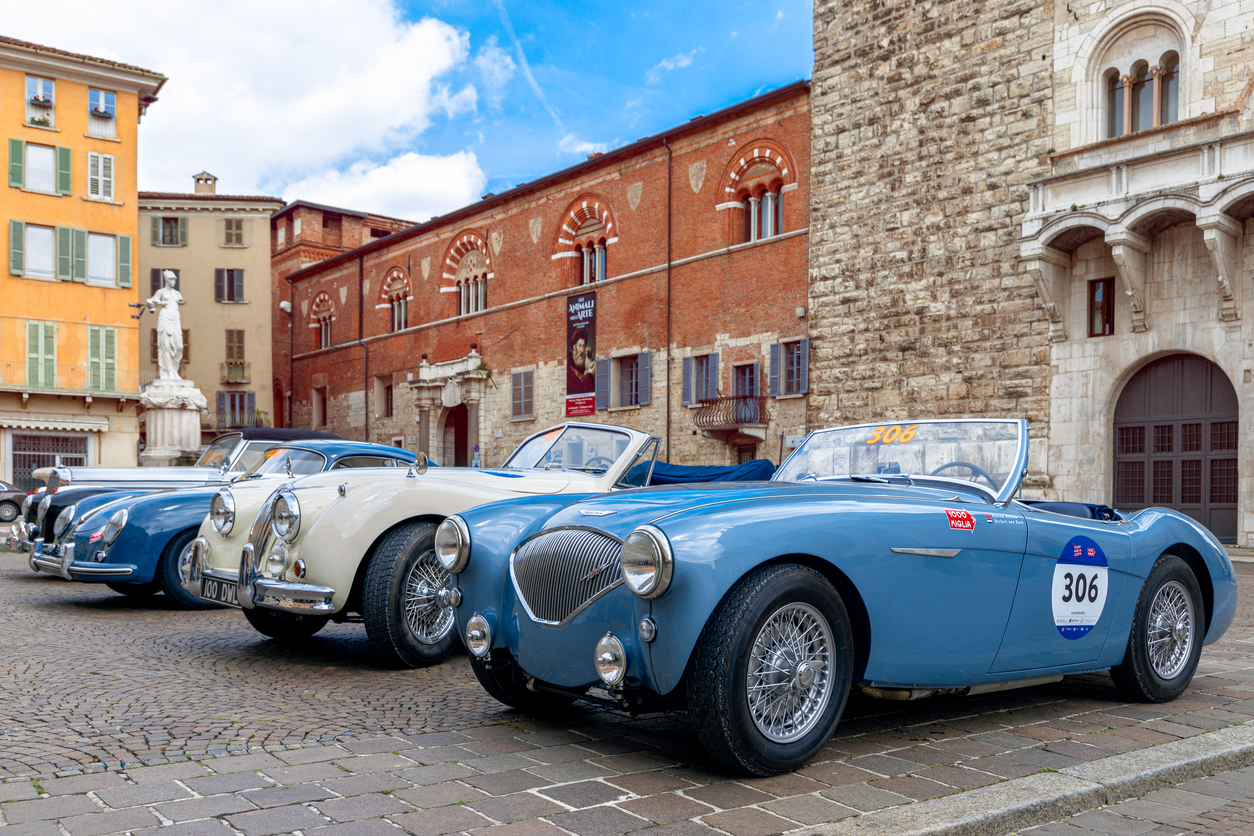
column 581, row 365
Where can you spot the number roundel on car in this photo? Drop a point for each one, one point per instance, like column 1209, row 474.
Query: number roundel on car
column 1078, row 594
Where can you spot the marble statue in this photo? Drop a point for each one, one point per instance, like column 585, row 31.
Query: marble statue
column 169, row 327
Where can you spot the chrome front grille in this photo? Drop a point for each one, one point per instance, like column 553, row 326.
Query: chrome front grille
column 559, row 572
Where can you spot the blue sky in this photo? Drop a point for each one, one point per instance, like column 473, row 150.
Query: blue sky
column 413, row 109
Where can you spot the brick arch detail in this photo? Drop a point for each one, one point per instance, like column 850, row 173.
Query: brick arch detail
column 586, row 207
column 322, row 308
column 395, row 286
column 757, row 151
column 465, row 242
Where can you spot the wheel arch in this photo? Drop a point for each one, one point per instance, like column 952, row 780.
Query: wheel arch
column 1201, row 571
column 353, row 603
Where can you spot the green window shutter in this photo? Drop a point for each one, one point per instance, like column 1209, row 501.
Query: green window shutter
column 50, row 355
column 17, row 163
column 65, row 183
column 80, row 255
column 110, row 359
column 94, row 364
column 182, row 232
column 34, row 352
column 17, row 248
column 106, row 176
column 93, row 174
column 65, row 254
column 156, row 231
column 124, row 261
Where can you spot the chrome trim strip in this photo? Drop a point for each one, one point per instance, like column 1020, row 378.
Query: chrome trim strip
column 298, row 597
column 94, row 570
column 929, row 552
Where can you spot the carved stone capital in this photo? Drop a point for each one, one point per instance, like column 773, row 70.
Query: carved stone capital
column 1128, row 249
column 1051, row 273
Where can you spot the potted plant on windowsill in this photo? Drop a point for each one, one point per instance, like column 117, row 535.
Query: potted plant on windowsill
column 101, row 114
column 41, row 101
column 40, row 121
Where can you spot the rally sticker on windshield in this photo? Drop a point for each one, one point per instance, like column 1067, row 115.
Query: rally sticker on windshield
column 1079, row 589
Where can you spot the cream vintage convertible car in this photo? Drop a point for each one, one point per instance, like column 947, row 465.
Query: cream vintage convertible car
column 359, row 547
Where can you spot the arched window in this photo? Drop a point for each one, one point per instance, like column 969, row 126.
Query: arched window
column 1114, row 104
column 753, row 187
column 1142, row 97
column 1169, row 100
column 764, row 213
column 469, row 267
column 1139, row 75
column 584, row 235
column 321, row 315
column 396, row 295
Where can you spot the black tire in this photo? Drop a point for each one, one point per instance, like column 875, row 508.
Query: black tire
column 719, row 672
column 1142, row 675
column 168, row 575
column 506, row 685
column 9, row 511
column 406, row 627
column 285, row 626
column 136, row 590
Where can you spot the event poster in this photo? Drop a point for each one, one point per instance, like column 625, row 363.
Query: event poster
column 581, row 364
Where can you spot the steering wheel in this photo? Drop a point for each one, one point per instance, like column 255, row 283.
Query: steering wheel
column 976, row 470
column 599, row 461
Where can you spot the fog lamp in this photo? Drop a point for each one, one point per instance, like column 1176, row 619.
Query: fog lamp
column 478, row 636
column 276, row 560
column 611, row 660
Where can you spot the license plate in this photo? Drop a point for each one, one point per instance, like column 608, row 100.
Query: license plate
column 219, row 591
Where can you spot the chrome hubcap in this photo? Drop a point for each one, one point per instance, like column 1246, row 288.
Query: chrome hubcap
column 427, row 620
column 8, row 512
column 789, row 682
column 1170, row 630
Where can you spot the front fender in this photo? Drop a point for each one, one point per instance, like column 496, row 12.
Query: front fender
column 154, row 521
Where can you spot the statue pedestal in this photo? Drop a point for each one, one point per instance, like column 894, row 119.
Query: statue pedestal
column 172, row 415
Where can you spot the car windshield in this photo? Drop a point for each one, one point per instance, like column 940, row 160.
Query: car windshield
column 591, row 450
column 985, row 453
column 275, row 461
column 254, row 454
column 218, row 452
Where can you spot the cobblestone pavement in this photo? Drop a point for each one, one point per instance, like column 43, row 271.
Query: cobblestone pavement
column 1221, row 804
column 130, row 715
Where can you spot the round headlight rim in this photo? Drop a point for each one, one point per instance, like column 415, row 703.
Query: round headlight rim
column 279, row 548
column 227, row 498
column 462, row 555
column 67, row 514
column 666, row 563
column 479, row 652
column 26, row 503
column 603, row 645
column 42, row 511
column 288, row 497
column 121, row 516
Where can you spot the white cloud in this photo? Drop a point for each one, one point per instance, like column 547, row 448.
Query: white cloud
column 496, row 68
column 571, row 144
column 410, row 186
column 267, row 94
column 683, row 59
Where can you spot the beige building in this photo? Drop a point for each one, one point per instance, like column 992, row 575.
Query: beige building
column 218, row 246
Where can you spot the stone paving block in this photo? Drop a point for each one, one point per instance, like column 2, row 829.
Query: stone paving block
column 560, row 773
column 1107, row 822
column 436, row 738
column 504, row 783
column 311, row 754
column 532, row 827
column 810, row 809
column 490, row 732
column 276, row 820
column 231, row 782
column 287, row 794
column 34, row 828
column 521, row 805
column 683, row 828
column 203, row 808
column 884, row 764
column 204, row 827
column 727, row 795
column 615, row 746
column 75, row 784
column 242, row 763
column 437, row 772
column 548, row 739
column 305, row 773
column 864, row 797
column 638, row 761
column 94, row 824
column 913, row 787
column 439, row 795
column 1150, row 811
column 147, row 793
column 368, row 827
column 599, row 821
column 440, row 754
column 365, row 764
column 379, row 744
column 19, row 791
column 647, row 783
column 1004, row 740
column 361, row 807
column 561, row 754
column 749, row 822
column 166, row 772
column 583, row 793
column 929, row 755
column 362, row 784
column 1081, row 751
column 1218, row 788
column 20, row 812
column 499, row 763
column 1002, row 766
column 958, row 776
column 503, row 746
column 781, row 786
column 1042, row 758
column 838, row 774
column 1184, row 799
column 441, row 820
column 665, row 808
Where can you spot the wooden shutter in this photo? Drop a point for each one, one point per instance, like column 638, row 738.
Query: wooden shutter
column 155, row 282
column 93, row 174
column 34, row 351
column 106, row 176
column 250, row 408
column 152, row 346
column 804, row 360
column 110, row 359
column 17, row 163
column 80, row 255
column 603, row 384
column 711, row 380
column 41, row 354
column 755, row 383
column 156, row 231
column 774, row 385
column 642, row 378
column 17, row 248
column 686, row 389
column 65, row 182
column 65, row 253
column 219, row 284
column 95, row 359
column 182, row 232
column 187, row 346
column 50, row 354
column 124, row 261
column 222, row 417
column 237, row 277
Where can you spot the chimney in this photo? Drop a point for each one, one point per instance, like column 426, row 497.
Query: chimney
column 206, row 183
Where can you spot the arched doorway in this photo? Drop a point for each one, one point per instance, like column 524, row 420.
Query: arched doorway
column 1176, row 442
column 455, row 437
column 278, row 411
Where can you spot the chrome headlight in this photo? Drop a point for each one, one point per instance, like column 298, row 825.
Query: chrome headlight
column 26, row 505
column 276, row 560
column 452, row 544
column 610, row 659
column 647, row 562
column 478, row 636
column 222, row 511
column 286, row 515
column 44, row 505
column 63, row 521
column 115, row 525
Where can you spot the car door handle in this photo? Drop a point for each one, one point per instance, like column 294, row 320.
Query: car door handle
column 929, row 552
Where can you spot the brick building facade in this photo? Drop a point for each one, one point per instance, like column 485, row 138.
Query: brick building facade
column 454, row 333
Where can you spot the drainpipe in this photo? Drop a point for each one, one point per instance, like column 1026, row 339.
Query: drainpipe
column 669, row 159
column 361, row 335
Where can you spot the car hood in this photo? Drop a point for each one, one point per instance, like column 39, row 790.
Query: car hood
column 519, row 481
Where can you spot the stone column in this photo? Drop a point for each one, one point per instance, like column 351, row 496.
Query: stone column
column 753, row 219
column 1127, row 81
column 1157, row 74
column 474, row 386
column 172, row 418
column 426, row 399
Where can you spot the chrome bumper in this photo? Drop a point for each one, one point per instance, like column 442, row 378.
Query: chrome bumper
column 65, row 566
column 275, row 594
column 17, row 539
column 197, row 571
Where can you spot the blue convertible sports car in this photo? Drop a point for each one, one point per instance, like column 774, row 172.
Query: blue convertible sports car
column 890, row 557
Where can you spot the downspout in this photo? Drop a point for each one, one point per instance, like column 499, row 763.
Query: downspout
column 365, row 362
column 669, row 159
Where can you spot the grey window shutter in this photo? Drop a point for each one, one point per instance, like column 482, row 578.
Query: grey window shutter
column 239, row 284
column 756, row 383
column 65, row 253
column 17, row 163
column 124, row 261
column 711, row 383
column 182, row 232
column 65, row 181
column 642, row 378
column 250, row 406
column 774, row 390
column 221, row 408
column 156, row 231
column 603, row 384
column 219, row 284
column 17, row 248
column 805, row 366
column 686, row 391
column 178, row 283
column 80, row 255
column 155, row 281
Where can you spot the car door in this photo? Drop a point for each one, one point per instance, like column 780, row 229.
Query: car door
column 1073, row 573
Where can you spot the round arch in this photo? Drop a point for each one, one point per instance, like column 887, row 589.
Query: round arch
column 1150, row 217
column 758, row 151
column 1071, row 231
column 583, row 213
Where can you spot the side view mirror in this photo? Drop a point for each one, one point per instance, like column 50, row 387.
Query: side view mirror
column 54, row 481
column 418, row 467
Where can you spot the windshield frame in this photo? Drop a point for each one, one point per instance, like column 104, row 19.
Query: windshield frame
column 229, row 458
column 1003, row 495
column 634, row 439
column 277, row 450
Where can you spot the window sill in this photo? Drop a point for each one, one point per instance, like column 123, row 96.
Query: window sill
column 233, row 301
column 41, row 127
column 634, row 408
column 521, row 419
column 101, row 200
column 103, row 138
column 233, row 246
column 793, row 396
column 110, row 284
column 42, row 192
column 39, row 278
column 170, row 246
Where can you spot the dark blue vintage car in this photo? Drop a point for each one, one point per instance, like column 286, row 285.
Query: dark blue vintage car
column 890, row 557
column 137, row 541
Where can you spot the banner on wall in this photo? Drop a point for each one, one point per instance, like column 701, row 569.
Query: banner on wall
column 581, row 330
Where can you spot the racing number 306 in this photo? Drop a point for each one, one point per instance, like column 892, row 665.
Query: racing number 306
column 1080, row 587
column 887, row 435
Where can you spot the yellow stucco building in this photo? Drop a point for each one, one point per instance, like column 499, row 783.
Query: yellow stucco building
column 69, row 347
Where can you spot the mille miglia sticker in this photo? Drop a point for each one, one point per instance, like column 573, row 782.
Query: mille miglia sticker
column 960, row 520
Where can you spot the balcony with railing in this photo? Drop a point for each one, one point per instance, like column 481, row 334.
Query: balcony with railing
column 734, row 414
column 222, row 421
column 237, row 371
column 72, row 380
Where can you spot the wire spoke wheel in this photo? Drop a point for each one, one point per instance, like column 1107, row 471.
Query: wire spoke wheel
column 427, row 620
column 1171, row 630
column 789, row 680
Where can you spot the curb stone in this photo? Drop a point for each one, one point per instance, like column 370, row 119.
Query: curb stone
column 1038, row 799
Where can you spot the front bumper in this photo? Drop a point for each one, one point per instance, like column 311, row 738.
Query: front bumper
column 59, row 560
column 197, row 572
column 275, row 594
column 18, row 539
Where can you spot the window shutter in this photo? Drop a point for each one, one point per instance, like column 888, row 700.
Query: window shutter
column 17, row 248
column 65, row 254
column 93, row 174
column 156, row 231
column 80, row 255
column 222, row 409
column 17, row 163
column 152, row 346
column 755, row 384
column 219, row 280
column 110, row 359
column 182, row 232
column 250, row 407
column 65, row 183
column 34, row 352
column 94, row 358
column 187, row 346
column 238, row 277
column 239, row 346
column 642, row 379
column 686, row 390
column 124, row 261
column 603, row 384
column 155, row 281
column 774, row 390
column 711, row 383
column 248, row 231
column 50, row 355
column 805, row 366
column 106, row 176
